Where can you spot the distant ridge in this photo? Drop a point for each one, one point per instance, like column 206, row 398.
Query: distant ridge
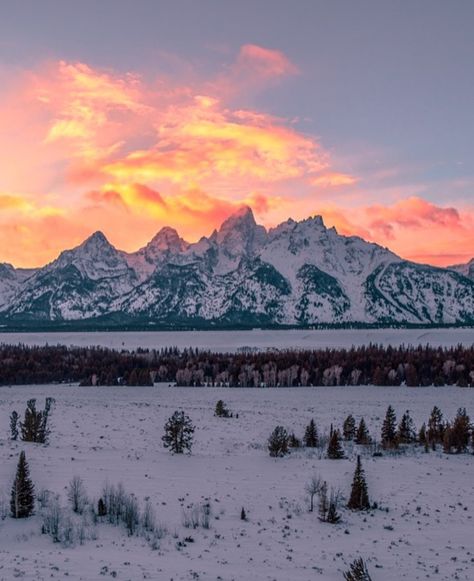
column 297, row 274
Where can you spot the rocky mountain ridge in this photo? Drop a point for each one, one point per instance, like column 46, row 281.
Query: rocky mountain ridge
column 298, row 273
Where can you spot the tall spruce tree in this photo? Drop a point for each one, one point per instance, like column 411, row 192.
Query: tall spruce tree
column 359, row 499
column 335, row 450
column 349, row 428
column 389, row 429
column 310, row 437
column 179, row 432
column 406, row 429
column 22, row 502
column 362, row 434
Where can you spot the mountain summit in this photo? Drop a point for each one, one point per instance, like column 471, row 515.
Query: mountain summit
column 298, row 273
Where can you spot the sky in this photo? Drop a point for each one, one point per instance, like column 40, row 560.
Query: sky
column 127, row 116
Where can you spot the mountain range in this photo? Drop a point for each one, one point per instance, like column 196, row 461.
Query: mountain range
column 297, row 274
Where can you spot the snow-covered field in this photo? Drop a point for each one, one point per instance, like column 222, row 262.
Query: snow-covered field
column 261, row 339
column 114, row 435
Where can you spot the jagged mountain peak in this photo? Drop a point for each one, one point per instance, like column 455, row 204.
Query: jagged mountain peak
column 98, row 238
column 241, row 217
column 94, row 258
column 300, row 272
column 239, row 236
column 167, row 239
column 94, row 247
column 241, row 221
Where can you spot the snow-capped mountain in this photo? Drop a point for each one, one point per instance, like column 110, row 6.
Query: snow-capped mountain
column 466, row 269
column 11, row 279
column 80, row 283
column 299, row 273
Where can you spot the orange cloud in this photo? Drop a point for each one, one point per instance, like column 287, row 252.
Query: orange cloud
column 86, row 149
column 263, row 62
column 399, row 226
column 333, row 180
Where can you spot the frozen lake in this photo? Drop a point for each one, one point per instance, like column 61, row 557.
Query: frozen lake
column 261, row 339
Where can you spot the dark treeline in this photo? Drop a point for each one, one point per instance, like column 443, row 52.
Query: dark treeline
column 366, row 365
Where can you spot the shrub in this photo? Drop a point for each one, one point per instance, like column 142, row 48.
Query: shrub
column 278, row 442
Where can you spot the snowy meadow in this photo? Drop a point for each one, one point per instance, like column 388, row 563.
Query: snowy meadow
column 421, row 527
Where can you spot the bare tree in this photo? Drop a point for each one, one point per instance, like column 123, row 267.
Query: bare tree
column 313, row 487
column 77, row 494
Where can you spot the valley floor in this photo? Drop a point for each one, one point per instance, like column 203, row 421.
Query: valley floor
column 114, row 435
column 229, row 341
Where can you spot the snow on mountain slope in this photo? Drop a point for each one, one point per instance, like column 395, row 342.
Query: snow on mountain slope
column 162, row 248
column 80, row 283
column 340, row 265
column 297, row 273
column 11, row 280
column 464, row 269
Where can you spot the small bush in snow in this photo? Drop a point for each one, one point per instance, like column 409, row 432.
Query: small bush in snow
column 197, row 515
column 221, row 410
column 148, row 517
column 131, row 514
column 357, row 571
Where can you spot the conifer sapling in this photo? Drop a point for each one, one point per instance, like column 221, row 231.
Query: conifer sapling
column 359, row 499
column 335, row 450
column 311, row 435
column 22, row 501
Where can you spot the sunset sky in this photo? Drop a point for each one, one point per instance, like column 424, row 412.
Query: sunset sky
column 125, row 116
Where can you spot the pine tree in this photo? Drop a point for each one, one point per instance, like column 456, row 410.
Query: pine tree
column 422, row 437
column 460, row 431
column 179, row 432
column 293, row 441
column 22, row 501
column 359, row 499
column 335, row 450
column 14, row 426
column 435, row 430
column 389, row 429
column 278, row 442
column 310, row 438
column 357, row 571
column 243, row 514
column 32, row 422
column 362, row 435
column 349, row 428
column 101, row 508
column 406, row 429
column 221, row 410
column 448, row 440
column 333, row 517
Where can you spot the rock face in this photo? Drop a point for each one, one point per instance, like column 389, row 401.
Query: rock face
column 465, row 269
column 299, row 273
